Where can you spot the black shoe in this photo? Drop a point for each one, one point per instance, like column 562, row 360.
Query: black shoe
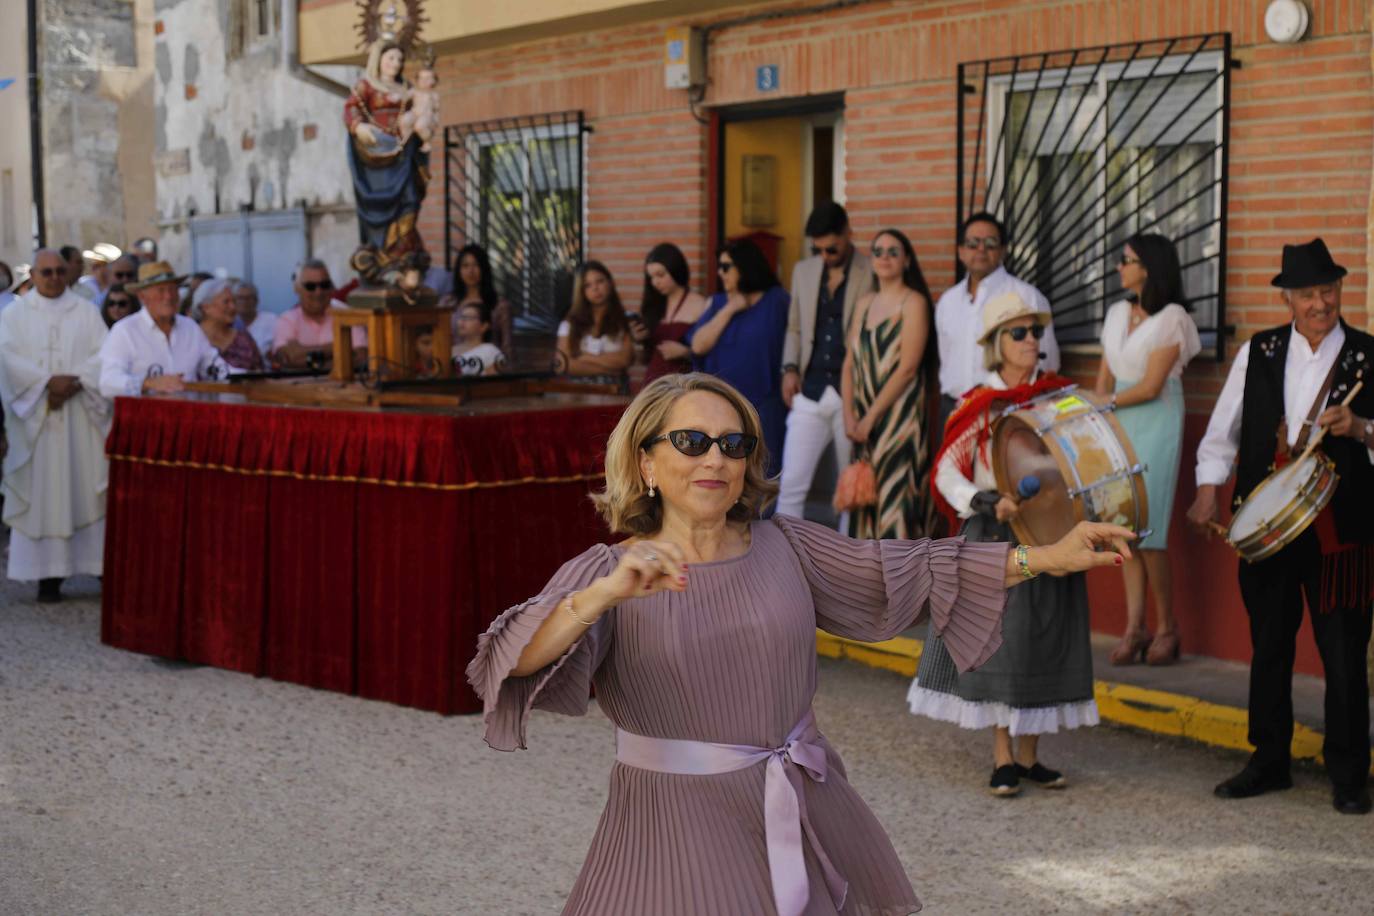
column 1004, row 781
column 1351, row 801
column 1251, row 782
column 1042, row 776
column 49, row 591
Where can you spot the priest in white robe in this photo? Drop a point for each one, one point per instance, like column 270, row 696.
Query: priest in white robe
column 56, row 421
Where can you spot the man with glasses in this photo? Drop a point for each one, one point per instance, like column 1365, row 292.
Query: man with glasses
column 982, row 245
column 825, row 287
column 304, row 335
column 55, row 470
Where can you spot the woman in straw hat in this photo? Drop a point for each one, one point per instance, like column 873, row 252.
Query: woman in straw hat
column 1041, row 680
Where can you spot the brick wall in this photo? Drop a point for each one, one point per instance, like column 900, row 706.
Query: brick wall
column 1302, row 124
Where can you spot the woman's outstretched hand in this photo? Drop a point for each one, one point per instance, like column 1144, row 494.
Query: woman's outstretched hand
column 1086, row 546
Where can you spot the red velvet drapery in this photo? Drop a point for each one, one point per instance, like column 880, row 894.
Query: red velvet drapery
column 355, row 551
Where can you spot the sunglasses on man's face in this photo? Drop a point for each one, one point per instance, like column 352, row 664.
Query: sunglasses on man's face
column 51, row 271
column 124, row 275
column 1018, row 334
column 310, row 287
column 694, row 443
column 831, row 250
column 988, row 244
column 892, row 251
column 725, row 267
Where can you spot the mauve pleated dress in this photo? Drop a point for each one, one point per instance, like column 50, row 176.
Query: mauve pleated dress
column 733, row 660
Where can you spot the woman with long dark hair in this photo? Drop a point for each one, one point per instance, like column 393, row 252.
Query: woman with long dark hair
column 118, row 303
column 883, row 386
column 739, row 337
column 473, row 282
column 1147, row 339
column 594, row 340
column 668, row 309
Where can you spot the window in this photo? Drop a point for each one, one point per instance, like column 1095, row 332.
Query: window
column 1077, row 151
column 515, row 187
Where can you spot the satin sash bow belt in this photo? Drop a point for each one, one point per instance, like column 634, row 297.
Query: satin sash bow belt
column 784, row 809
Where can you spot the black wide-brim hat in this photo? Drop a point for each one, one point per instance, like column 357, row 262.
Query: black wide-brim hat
column 1307, row 265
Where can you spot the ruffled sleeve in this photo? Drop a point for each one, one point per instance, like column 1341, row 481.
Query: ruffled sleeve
column 1178, row 327
column 873, row 590
column 563, row 686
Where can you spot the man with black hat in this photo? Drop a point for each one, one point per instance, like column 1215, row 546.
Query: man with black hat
column 1284, row 382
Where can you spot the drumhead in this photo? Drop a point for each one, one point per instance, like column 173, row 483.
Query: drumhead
column 1268, row 499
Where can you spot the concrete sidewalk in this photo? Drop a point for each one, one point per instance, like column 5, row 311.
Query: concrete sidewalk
column 1202, row 699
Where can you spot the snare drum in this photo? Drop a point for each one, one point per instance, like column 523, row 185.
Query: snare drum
column 1071, row 441
column 1282, row 506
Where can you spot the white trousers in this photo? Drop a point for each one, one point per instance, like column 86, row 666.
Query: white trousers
column 812, row 426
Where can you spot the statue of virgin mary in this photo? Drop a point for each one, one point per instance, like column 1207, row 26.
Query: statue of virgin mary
column 389, row 173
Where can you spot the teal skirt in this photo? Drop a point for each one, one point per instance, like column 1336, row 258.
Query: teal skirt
column 1155, row 429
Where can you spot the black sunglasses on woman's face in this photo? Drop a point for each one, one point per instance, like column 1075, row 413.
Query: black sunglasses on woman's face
column 1018, row 334
column 694, row 442
column 118, row 303
column 725, row 267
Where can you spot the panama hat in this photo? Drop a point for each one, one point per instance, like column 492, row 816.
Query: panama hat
column 1005, row 307
column 154, row 274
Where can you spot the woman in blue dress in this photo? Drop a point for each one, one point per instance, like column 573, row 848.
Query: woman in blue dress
column 1147, row 339
column 739, row 337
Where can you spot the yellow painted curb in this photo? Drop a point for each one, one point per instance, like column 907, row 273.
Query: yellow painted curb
column 1137, row 707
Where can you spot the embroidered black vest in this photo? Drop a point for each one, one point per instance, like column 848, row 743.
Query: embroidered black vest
column 1263, row 410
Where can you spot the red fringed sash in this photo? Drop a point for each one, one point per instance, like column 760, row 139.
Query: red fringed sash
column 970, row 427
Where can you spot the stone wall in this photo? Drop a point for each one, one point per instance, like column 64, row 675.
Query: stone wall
column 96, row 113
column 234, row 130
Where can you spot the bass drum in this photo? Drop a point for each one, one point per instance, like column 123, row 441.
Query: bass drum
column 1070, row 442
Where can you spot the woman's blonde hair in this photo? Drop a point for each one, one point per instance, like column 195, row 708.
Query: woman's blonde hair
column 625, row 503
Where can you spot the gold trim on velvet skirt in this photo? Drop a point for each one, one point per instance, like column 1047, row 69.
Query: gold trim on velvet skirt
column 338, row 478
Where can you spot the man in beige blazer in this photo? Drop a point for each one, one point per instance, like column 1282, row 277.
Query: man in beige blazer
column 824, row 289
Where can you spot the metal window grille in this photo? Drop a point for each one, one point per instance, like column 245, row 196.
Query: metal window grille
column 514, row 186
column 1075, row 151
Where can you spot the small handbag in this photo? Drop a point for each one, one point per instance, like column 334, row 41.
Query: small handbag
column 857, row 487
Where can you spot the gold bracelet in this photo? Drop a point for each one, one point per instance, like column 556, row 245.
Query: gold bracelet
column 568, row 606
column 1023, row 561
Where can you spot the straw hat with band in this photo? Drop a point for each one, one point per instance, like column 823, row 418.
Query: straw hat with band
column 154, row 274
column 1005, row 307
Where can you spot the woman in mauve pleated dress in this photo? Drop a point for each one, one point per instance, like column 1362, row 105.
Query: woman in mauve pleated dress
column 698, row 631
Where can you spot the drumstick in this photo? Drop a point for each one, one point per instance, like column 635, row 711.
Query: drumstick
column 1218, row 528
column 1354, row 390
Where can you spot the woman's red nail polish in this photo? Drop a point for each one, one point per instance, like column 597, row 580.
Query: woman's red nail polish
column 1118, row 561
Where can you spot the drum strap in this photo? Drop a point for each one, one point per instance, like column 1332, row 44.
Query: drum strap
column 1310, row 423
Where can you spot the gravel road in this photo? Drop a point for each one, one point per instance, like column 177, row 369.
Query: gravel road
column 130, row 786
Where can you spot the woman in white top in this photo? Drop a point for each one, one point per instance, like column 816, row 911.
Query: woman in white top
column 1147, row 339
column 595, row 338
column 473, row 351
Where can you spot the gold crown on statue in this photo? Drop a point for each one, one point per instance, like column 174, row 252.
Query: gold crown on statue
column 392, row 21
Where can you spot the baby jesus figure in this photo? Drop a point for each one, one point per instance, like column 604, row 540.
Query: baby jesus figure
column 422, row 116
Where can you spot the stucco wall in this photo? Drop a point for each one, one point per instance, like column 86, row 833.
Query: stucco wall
column 235, row 131
column 96, row 117
column 16, row 196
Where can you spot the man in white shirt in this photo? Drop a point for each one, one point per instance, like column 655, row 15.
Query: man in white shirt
column 56, row 421
column 260, row 325
column 1280, row 378
column 155, row 349
column 824, row 289
column 97, row 280
column 958, row 314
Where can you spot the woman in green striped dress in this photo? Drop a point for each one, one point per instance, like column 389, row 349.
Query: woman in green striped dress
column 885, row 379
